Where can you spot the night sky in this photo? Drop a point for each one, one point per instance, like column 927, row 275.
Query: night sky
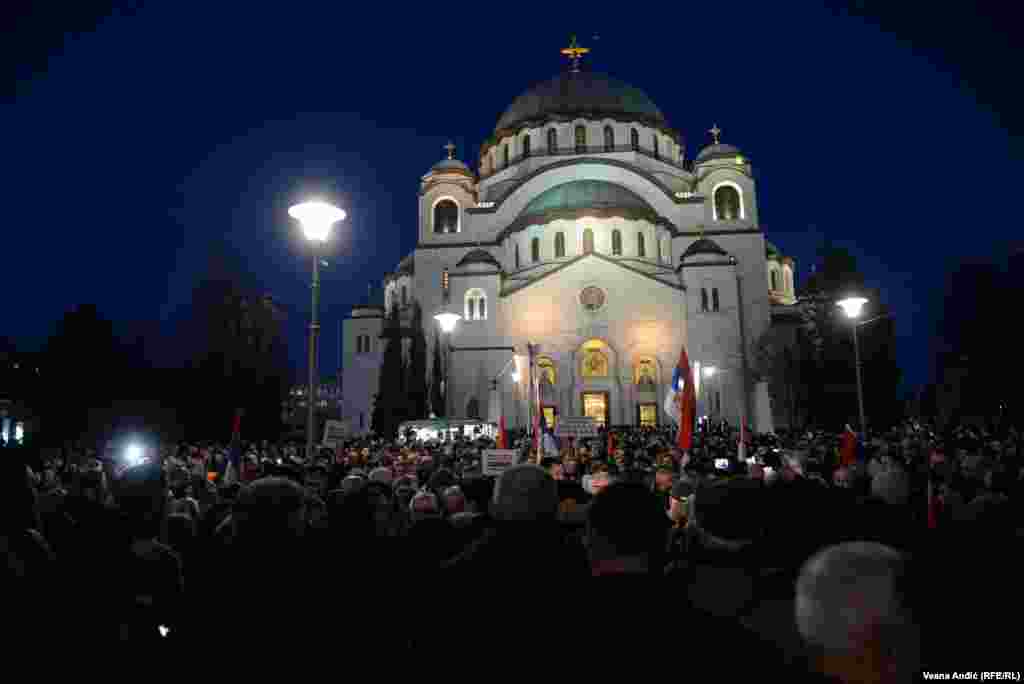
column 139, row 137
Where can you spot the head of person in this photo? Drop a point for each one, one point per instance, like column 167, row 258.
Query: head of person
column 454, row 500
column 679, row 500
column 891, row 486
column 853, row 611
column 525, row 493
column 273, row 508
column 727, row 514
column 842, row 478
column 626, row 529
column 664, row 479
column 552, row 466
column 141, row 494
column 424, row 506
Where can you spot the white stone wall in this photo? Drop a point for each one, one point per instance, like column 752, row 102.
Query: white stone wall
column 361, row 370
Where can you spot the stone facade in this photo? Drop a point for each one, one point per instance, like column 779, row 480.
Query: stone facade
column 643, row 303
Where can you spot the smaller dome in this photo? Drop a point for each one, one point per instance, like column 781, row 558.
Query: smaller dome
column 478, row 256
column 704, row 246
column 450, row 166
column 719, row 151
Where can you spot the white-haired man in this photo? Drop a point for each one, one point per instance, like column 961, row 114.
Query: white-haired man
column 852, row 612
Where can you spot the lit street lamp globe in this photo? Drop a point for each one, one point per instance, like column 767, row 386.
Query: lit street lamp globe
column 852, row 306
column 447, row 320
column 316, row 219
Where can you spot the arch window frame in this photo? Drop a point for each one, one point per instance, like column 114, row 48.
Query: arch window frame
column 609, row 139
column 504, row 156
column 535, row 250
column 546, row 367
column 559, row 244
column 616, row 242
column 526, row 145
column 640, row 363
column 714, row 201
column 655, row 147
column 405, row 295
column 458, row 215
column 666, row 250
column 475, row 304
column 587, row 240
column 590, row 347
column 552, row 141
column 641, row 245
column 517, row 255
column 634, row 139
column 715, row 300
column 580, row 138
column 704, row 300
column 773, row 275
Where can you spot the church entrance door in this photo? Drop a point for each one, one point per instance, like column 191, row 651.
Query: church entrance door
column 595, row 405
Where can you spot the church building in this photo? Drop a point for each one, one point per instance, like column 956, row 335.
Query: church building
column 588, row 232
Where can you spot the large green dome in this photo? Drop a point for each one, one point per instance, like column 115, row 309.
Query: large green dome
column 585, row 194
column 586, row 94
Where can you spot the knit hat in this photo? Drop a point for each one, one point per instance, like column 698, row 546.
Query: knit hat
column 525, row 493
column 729, row 509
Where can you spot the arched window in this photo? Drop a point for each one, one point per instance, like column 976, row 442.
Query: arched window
column 634, row 139
column 359, row 344
column 445, row 282
column 646, row 373
column 473, row 408
column 405, row 295
column 714, row 299
column 617, row 242
column 517, row 255
column 526, row 145
column 641, row 248
column 609, row 139
column 581, row 139
column 657, row 244
column 654, row 137
column 559, row 244
column 588, row 241
column 476, row 305
column 775, row 280
column 594, row 360
column 446, row 216
column 727, row 203
column 504, row 155
column 535, row 250
column 666, row 250
column 704, row 299
column 546, row 372
column 552, row 141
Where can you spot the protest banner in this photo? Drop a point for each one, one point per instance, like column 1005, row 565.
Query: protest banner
column 495, row 461
column 576, row 426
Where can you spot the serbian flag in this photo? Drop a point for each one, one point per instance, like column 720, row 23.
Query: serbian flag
column 685, row 400
column 535, row 398
column 502, row 435
column 233, row 469
column 848, row 448
column 611, row 444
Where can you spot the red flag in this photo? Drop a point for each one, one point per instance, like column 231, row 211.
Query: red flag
column 502, row 436
column 934, row 507
column 848, row 448
column 535, row 398
column 611, row 444
column 687, row 402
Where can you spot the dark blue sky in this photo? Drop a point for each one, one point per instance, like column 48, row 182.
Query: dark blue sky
column 138, row 141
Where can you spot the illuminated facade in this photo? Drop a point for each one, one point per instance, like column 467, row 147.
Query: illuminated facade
column 588, row 231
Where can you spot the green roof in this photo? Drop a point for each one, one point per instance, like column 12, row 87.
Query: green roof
column 585, row 194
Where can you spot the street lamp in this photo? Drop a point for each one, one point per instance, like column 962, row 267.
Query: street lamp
column 852, row 306
column 447, row 320
column 316, row 219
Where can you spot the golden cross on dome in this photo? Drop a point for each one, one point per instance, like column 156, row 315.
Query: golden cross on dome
column 451, row 149
column 715, row 131
column 574, row 52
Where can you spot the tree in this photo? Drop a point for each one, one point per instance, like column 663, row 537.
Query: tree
column 417, row 382
column 437, row 402
column 390, row 405
column 825, row 348
column 237, row 355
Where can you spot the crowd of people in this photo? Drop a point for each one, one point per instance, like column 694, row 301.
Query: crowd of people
column 786, row 553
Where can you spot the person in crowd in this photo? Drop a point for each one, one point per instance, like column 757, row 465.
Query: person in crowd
column 852, row 609
column 626, row 528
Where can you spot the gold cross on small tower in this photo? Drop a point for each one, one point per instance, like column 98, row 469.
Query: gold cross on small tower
column 451, row 149
column 715, row 131
column 574, row 52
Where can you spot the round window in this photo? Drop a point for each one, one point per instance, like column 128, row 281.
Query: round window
column 592, row 298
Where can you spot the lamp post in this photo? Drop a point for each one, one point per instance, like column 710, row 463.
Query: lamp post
column 447, row 320
column 316, row 219
column 852, row 307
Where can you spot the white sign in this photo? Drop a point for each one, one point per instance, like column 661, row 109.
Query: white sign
column 576, row 427
column 334, row 432
column 495, row 461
